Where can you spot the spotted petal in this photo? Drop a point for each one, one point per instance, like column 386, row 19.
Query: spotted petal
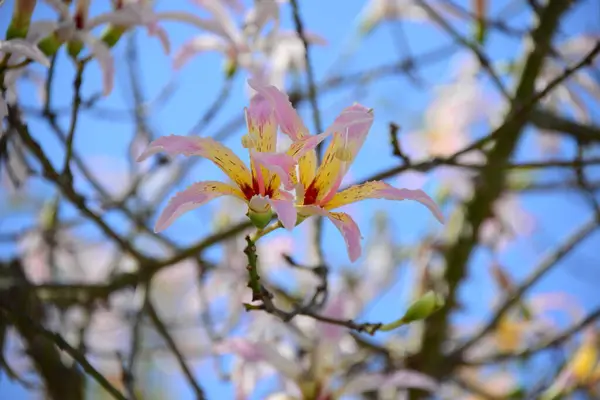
column 381, row 190
column 209, row 148
column 193, row 197
column 344, row 223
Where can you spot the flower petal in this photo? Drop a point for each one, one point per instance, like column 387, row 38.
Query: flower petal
column 24, row 48
column 209, row 148
column 102, row 54
column 280, row 164
column 403, row 378
column 193, row 197
column 344, row 223
column 349, row 130
column 289, row 121
column 261, row 124
column 286, row 212
column 223, row 18
column 253, row 351
column 197, row 45
column 304, row 151
column 382, row 190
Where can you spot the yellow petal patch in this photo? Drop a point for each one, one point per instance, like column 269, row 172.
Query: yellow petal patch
column 262, row 130
column 330, row 169
column 227, row 161
column 354, row 193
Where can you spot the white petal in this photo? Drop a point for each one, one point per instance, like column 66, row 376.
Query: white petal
column 24, row 48
column 102, row 54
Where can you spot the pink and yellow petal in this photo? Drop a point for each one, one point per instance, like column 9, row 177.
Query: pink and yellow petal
column 344, row 223
column 349, row 130
column 286, row 212
column 194, row 196
column 382, row 190
column 280, row 164
column 261, row 124
column 208, row 148
column 289, row 121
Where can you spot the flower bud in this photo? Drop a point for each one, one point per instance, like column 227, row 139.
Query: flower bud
column 74, row 47
column 50, row 44
column 230, row 67
column 423, row 307
column 19, row 25
column 259, row 212
column 112, row 34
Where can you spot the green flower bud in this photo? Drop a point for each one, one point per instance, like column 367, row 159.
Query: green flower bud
column 112, row 34
column 260, row 219
column 50, row 45
column 423, row 307
column 74, row 47
column 230, row 68
column 19, row 25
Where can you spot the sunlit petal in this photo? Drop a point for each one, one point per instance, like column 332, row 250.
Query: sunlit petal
column 209, row 148
column 196, row 195
column 382, row 190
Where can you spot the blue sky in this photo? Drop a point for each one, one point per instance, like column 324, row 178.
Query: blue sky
column 394, row 99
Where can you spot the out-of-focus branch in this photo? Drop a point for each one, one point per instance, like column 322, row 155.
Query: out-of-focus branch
column 547, row 344
column 65, row 186
column 21, row 308
column 317, row 223
column 549, row 261
column 490, row 184
column 162, row 329
column 585, row 134
column 474, row 47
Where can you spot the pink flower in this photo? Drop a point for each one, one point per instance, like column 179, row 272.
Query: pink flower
column 227, row 38
column 77, row 28
column 317, row 188
column 259, row 186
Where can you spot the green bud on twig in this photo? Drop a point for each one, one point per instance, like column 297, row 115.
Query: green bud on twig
column 423, row 307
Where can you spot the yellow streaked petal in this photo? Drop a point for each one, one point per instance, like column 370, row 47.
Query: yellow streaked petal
column 208, row 148
column 328, row 175
column 261, row 124
column 307, row 167
column 381, row 190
